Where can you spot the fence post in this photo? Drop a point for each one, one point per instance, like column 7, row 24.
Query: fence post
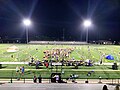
column 24, row 80
column 49, row 79
column 100, row 79
column 112, row 81
column 11, row 80
column 86, row 81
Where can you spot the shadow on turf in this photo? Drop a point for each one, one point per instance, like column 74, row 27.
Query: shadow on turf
column 3, row 67
column 28, row 72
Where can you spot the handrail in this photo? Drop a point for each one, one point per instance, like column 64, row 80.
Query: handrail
column 85, row 80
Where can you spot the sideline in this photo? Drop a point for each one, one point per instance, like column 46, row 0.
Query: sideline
column 14, row 62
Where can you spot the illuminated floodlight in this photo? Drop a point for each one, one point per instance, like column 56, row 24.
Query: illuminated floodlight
column 87, row 23
column 27, row 22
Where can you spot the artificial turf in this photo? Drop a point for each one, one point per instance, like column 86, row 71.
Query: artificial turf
column 81, row 52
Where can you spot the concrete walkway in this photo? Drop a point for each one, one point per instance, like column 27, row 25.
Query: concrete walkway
column 53, row 86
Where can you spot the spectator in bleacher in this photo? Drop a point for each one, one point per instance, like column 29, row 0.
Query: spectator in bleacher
column 105, row 87
column 117, row 87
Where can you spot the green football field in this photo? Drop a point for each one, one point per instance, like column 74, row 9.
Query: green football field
column 106, row 72
column 24, row 52
column 80, row 52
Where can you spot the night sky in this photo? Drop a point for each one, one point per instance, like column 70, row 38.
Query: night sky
column 60, row 19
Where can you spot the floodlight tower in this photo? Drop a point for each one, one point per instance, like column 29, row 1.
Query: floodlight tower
column 27, row 23
column 87, row 23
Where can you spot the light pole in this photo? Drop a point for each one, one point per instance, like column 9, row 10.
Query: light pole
column 26, row 23
column 87, row 23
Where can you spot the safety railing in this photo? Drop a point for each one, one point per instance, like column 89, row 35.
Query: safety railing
column 48, row 80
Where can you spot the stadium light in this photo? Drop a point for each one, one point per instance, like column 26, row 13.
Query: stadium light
column 27, row 23
column 87, row 23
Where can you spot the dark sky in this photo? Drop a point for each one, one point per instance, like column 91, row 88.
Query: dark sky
column 55, row 19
